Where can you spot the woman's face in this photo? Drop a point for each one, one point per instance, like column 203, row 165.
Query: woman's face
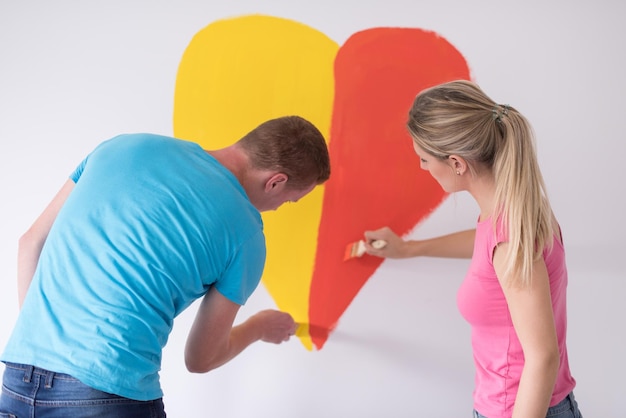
column 441, row 170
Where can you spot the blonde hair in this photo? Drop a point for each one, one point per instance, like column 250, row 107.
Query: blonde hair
column 458, row 118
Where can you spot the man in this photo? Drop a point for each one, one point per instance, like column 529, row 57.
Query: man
column 146, row 225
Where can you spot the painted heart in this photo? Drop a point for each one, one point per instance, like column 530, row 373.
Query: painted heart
column 237, row 73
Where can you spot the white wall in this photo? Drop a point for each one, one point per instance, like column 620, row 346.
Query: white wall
column 73, row 73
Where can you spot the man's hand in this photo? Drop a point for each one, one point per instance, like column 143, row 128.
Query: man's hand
column 273, row 326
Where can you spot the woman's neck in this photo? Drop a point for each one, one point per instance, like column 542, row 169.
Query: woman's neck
column 483, row 190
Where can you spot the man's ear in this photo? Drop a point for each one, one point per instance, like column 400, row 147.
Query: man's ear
column 276, row 182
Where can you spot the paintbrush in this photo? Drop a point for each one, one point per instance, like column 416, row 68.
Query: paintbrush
column 304, row 329
column 357, row 249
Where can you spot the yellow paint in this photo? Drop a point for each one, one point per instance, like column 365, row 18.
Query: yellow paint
column 237, row 73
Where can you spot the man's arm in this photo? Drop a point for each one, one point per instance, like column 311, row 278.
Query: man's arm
column 31, row 242
column 214, row 341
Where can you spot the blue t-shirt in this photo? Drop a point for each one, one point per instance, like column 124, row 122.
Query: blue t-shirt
column 151, row 224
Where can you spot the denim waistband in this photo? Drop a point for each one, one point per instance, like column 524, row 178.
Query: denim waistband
column 565, row 405
column 30, row 371
column 569, row 402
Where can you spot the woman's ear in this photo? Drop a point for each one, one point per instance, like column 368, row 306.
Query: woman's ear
column 276, row 182
column 458, row 164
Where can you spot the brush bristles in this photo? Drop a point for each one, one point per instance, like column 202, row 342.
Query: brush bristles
column 356, row 249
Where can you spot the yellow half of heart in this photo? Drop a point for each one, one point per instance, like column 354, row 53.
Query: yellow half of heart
column 237, row 73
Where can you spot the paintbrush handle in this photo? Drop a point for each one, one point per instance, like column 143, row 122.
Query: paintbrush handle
column 379, row 244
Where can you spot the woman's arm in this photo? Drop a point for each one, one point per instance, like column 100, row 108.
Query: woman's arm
column 532, row 316
column 31, row 242
column 455, row 245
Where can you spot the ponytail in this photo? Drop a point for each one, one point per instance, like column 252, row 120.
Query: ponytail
column 520, row 197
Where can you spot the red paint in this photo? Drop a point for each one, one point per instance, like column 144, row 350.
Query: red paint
column 376, row 179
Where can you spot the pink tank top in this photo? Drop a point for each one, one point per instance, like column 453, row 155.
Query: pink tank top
column 498, row 355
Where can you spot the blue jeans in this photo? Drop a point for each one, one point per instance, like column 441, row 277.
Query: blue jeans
column 567, row 408
column 30, row 391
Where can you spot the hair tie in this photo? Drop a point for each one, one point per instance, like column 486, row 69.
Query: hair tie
column 497, row 114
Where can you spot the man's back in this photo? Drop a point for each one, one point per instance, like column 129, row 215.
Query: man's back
column 151, row 223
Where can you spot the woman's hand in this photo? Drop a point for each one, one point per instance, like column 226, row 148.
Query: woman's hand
column 395, row 246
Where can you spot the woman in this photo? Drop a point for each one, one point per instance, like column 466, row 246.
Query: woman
column 514, row 293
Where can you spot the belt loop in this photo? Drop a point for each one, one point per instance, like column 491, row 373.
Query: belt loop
column 49, row 377
column 28, row 374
